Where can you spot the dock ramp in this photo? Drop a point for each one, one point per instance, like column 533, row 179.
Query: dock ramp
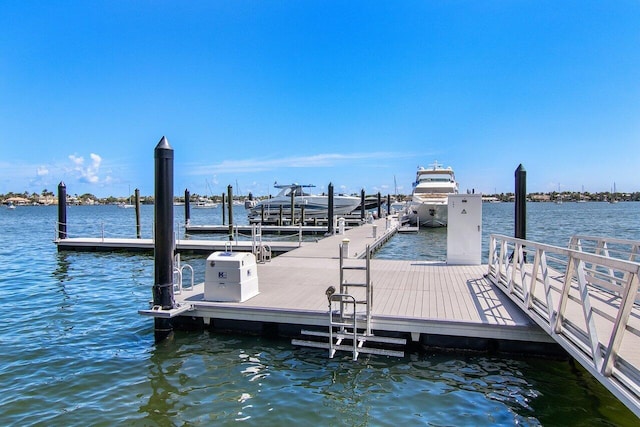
column 585, row 297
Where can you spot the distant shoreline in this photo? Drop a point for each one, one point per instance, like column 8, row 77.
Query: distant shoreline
column 25, row 199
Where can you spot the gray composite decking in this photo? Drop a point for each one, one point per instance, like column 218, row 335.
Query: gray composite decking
column 416, row 297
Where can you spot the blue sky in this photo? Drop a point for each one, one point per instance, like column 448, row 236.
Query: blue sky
column 356, row 93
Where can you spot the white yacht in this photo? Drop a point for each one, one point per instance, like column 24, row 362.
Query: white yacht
column 204, row 203
column 430, row 196
column 315, row 205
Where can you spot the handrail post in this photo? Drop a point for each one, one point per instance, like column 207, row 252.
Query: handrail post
column 626, row 304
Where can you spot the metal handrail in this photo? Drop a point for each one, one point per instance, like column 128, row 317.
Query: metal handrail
column 340, row 298
column 607, row 246
column 584, row 301
column 99, row 230
column 178, row 270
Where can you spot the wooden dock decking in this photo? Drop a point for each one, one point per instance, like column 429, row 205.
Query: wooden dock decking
column 412, row 297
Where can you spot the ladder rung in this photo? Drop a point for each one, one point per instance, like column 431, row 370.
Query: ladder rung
column 348, row 348
column 353, row 267
column 357, row 285
column 359, row 337
column 341, row 323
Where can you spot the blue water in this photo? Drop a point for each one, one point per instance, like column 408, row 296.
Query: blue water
column 74, row 351
column 549, row 223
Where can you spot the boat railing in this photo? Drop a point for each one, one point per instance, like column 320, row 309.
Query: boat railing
column 585, row 301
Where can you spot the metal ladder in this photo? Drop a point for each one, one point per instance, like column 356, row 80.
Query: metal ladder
column 261, row 250
column 346, row 323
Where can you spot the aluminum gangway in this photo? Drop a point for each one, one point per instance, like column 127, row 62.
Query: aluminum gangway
column 584, row 296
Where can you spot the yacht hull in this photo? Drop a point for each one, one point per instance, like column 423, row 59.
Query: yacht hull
column 429, row 214
column 314, row 206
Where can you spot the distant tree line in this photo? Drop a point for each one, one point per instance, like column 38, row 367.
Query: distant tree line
column 49, row 197
column 571, row 196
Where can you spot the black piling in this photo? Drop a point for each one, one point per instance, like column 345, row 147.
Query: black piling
column 362, row 205
column 163, row 231
column 138, row 225
column 379, row 205
column 62, row 211
column 187, row 206
column 521, row 203
column 388, row 204
column 230, row 197
column 330, row 210
column 292, row 204
column 224, row 211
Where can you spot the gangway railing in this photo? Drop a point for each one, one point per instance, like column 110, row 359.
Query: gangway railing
column 607, row 246
column 585, row 301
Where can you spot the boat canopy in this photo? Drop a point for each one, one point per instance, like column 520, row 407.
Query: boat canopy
column 297, row 189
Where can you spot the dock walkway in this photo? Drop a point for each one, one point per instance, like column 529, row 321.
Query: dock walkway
column 413, row 297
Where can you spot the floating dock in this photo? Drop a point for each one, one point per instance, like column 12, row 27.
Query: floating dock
column 433, row 303
column 248, row 229
column 98, row 244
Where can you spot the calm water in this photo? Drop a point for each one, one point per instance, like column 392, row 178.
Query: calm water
column 74, row 351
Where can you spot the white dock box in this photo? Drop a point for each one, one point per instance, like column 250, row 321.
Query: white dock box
column 464, row 231
column 230, row 277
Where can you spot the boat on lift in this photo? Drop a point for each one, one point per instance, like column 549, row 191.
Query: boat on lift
column 430, row 196
column 315, row 205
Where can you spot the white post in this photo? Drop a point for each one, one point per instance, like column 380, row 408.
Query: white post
column 345, row 248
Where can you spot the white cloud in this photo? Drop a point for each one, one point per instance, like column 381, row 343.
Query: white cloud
column 87, row 174
column 76, row 160
column 42, row 171
column 318, row 160
column 96, row 160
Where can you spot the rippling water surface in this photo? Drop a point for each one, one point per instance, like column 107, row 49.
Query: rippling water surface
column 74, row 351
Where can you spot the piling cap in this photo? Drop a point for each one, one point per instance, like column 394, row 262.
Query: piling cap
column 163, row 149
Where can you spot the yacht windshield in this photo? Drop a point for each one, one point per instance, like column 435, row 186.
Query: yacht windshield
column 434, row 178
